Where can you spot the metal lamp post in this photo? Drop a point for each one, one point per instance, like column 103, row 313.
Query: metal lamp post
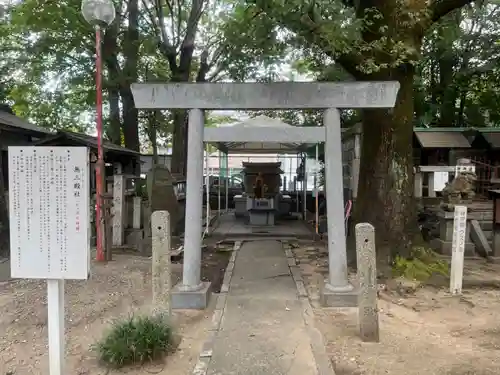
column 100, row 14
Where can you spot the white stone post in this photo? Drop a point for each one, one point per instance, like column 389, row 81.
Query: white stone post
column 356, row 164
column 207, row 188
column 418, row 182
column 458, row 249
column 194, row 202
column 137, row 212
column 296, row 188
column 161, row 274
column 367, row 276
column 304, row 185
column 227, row 181
column 430, row 185
column 337, row 290
column 218, row 188
column 316, row 190
column 118, row 169
column 118, row 209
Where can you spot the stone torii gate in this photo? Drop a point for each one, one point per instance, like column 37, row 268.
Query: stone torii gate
column 196, row 97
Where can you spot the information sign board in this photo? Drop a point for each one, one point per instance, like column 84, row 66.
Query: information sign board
column 49, row 208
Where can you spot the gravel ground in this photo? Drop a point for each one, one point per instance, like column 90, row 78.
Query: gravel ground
column 116, row 289
column 423, row 332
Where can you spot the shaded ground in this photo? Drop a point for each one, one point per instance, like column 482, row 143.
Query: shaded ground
column 117, row 289
column 426, row 332
column 214, row 264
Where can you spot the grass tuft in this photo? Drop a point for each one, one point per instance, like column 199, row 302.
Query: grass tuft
column 136, row 340
column 422, row 264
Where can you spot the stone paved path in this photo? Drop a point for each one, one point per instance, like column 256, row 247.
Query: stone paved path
column 262, row 330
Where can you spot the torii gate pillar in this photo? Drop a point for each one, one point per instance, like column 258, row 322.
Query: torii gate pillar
column 336, row 292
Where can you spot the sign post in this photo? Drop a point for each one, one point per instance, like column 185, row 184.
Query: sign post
column 458, row 248
column 161, row 272
column 49, row 209
column 367, row 276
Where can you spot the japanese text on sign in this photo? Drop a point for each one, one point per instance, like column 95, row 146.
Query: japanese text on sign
column 49, row 212
column 458, row 249
column 459, row 229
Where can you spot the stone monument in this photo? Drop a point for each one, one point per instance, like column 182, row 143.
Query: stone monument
column 161, row 195
column 459, row 191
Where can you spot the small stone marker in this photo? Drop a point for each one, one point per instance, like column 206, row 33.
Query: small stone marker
column 457, row 249
column 161, row 236
column 118, row 209
column 367, row 275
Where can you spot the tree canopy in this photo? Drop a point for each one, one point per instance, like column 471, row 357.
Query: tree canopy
column 444, row 53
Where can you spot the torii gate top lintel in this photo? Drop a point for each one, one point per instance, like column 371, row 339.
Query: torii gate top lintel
column 256, row 96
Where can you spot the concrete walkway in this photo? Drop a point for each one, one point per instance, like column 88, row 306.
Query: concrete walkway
column 262, row 331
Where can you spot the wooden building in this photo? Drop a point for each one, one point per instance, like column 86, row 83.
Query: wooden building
column 118, row 159
column 434, row 147
column 15, row 131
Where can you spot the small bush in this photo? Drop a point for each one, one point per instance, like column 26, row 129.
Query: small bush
column 420, row 266
column 135, row 340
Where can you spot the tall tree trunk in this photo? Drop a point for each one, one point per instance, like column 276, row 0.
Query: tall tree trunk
column 385, row 191
column 447, row 62
column 114, row 130
column 461, row 108
column 447, row 91
column 179, row 142
column 131, row 55
column 110, row 59
column 4, row 216
column 153, row 120
column 181, row 72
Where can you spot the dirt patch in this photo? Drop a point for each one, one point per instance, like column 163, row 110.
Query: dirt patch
column 115, row 290
column 428, row 332
column 214, row 265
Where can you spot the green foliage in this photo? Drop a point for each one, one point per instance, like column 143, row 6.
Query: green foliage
column 135, row 341
column 47, row 49
column 422, row 264
column 458, row 76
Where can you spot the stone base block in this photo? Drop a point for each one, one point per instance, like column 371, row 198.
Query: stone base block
column 332, row 298
column 261, row 218
column 191, row 300
column 445, row 247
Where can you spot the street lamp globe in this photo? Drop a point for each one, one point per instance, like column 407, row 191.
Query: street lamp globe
column 98, row 12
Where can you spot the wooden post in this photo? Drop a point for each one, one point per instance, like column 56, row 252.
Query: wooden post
column 367, row 275
column 457, row 249
column 160, row 229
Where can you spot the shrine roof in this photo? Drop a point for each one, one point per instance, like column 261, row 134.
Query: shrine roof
column 260, row 123
column 13, row 122
column 65, row 137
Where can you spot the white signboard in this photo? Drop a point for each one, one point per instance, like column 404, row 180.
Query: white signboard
column 465, row 169
column 458, row 249
column 440, row 180
column 49, row 210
